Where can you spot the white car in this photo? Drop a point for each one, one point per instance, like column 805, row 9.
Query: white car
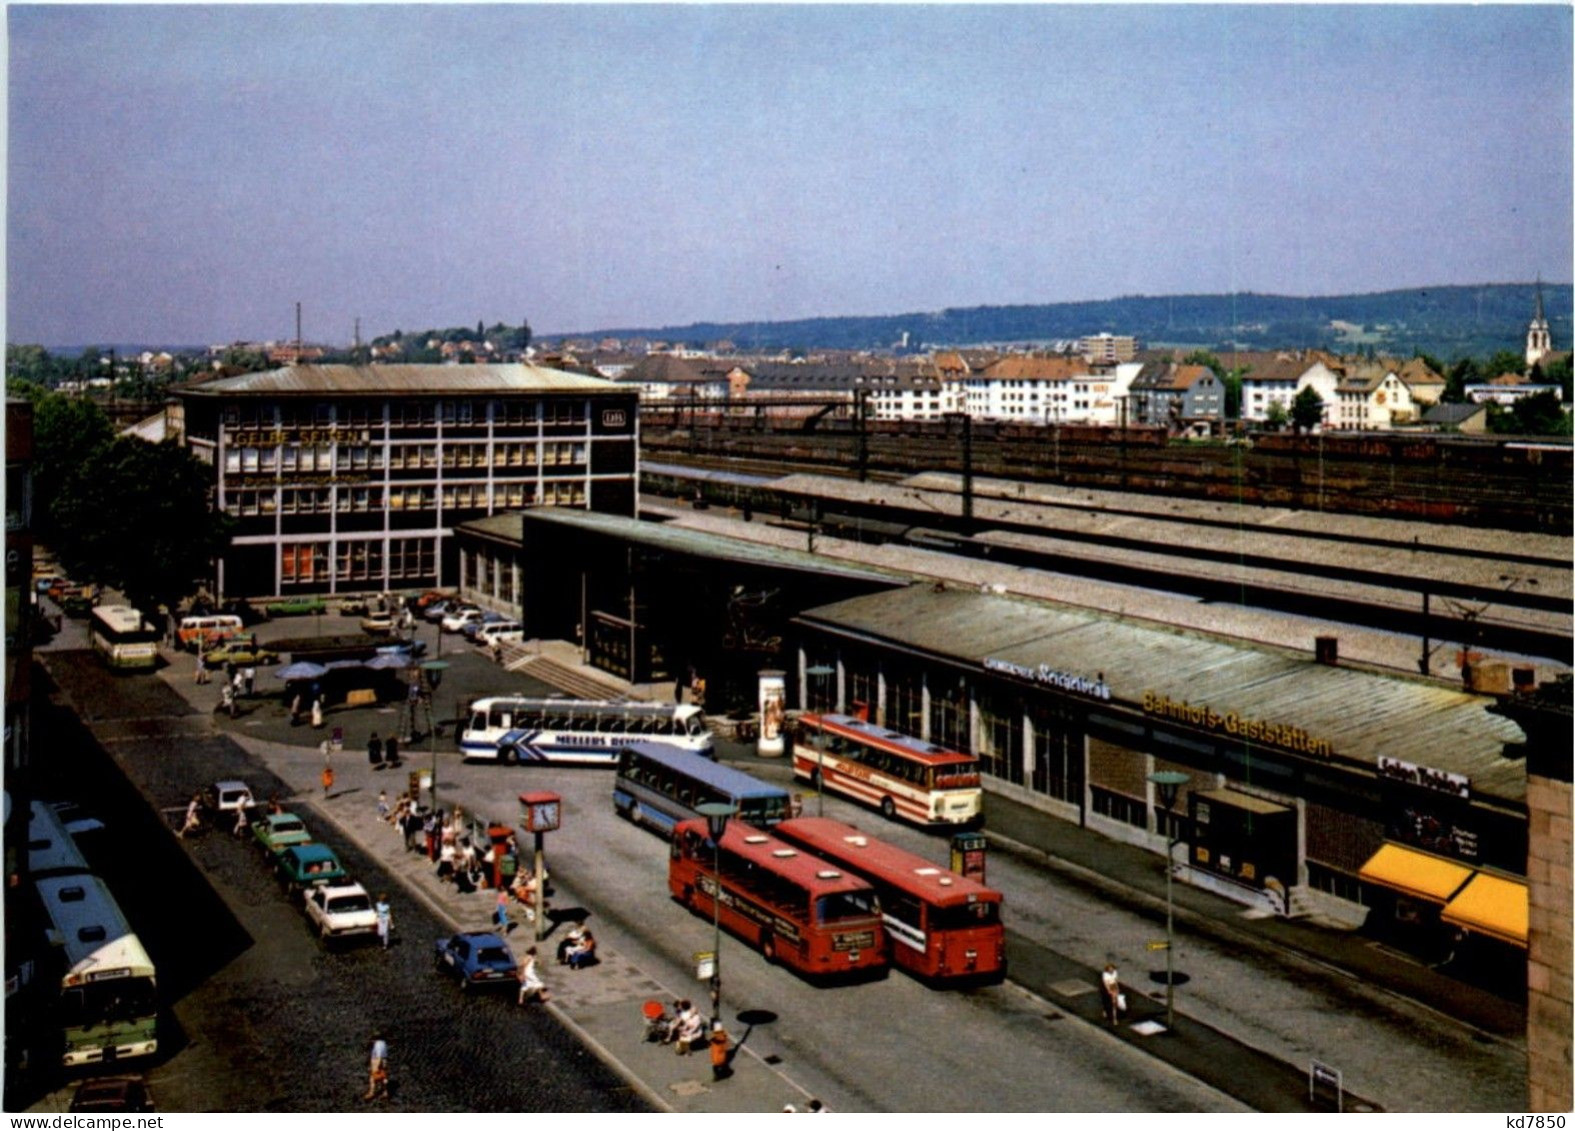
column 341, row 910
column 458, row 619
column 488, row 635
column 229, row 796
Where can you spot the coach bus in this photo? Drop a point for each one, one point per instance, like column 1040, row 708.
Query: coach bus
column 583, row 731
column 107, row 1005
column 944, row 928
column 123, row 639
column 51, row 850
column 793, row 907
column 899, row 775
column 657, row 786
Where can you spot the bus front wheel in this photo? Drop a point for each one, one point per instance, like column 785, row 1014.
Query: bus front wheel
column 634, row 814
column 509, row 756
column 888, row 808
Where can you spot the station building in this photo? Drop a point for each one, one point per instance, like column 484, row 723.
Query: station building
column 351, row 479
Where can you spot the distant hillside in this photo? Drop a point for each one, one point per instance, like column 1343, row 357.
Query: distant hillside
column 1448, row 322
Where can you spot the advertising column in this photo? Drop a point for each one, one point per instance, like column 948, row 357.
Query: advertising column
column 773, row 710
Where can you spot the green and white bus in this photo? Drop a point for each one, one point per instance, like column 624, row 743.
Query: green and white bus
column 124, row 639
column 107, row 1006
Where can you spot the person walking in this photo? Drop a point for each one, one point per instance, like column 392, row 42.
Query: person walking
column 385, row 919
column 328, row 766
column 1110, row 991
column 193, row 816
column 532, row 988
column 721, row 1054
column 202, row 668
column 391, row 752
column 249, row 676
column 377, row 1069
column 374, row 751
column 500, row 912
column 243, row 823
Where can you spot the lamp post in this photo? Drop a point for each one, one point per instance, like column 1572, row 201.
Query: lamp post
column 716, row 814
column 1169, row 782
column 817, row 673
column 434, row 670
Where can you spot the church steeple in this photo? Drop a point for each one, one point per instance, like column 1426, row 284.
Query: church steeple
column 1539, row 342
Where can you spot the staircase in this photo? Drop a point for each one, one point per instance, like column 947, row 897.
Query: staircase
column 518, row 656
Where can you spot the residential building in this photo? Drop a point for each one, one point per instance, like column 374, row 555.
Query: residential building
column 345, row 478
column 1372, row 397
column 1426, row 385
column 1031, row 388
column 1183, row 398
column 1108, row 349
column 1468, row 419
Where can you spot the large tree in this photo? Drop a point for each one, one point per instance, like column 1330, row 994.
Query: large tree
column 67, row 431
column 1307, row 410
column 135, row 516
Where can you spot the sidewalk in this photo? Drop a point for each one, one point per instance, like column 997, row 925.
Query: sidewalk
column 602, row 1004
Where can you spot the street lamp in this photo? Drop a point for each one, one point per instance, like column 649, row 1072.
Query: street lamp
column 817, row 673
column 716, row 814
column 434, row 670
column 1169, row 782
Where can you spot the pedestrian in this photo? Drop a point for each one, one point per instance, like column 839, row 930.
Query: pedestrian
column 254, row 643
column 295, row 709
column 242, row 822
column 721, row 1055
column 317, row 713
column 391, row 751
column 1110, row 990
column 327, row 750
column 227, row 700
column 377, row 1068
column 249, row 675
column 382, row 805
column 238, row 681
column 431, row 828
column 193, row 816
column 385, row 919
column 815, row 1107
column 532, row 988
column 374, row 751
column 500, row 912
column 412, row 827
column 202, row 669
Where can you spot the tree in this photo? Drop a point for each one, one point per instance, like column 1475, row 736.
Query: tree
column 67, row 432
column 1502, row 362
column 1229, row 379
column 1277, row 417
column 1307, row 410
column 136, row 516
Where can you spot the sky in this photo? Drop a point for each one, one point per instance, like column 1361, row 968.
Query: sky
column 185, row 175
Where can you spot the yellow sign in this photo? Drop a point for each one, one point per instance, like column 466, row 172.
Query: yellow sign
column 1161, row 945
column 1262, row 731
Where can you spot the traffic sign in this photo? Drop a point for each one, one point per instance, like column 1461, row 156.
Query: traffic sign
column 1160, row 945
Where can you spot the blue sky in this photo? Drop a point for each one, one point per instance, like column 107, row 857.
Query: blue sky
column 186, row 174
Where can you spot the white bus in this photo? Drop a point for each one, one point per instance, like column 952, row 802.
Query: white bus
column 124, row 639
column 51, row 849
column 583, row 731
column 107, row 1007
column 900, row 775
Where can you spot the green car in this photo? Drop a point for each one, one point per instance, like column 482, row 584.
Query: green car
column 278, row 831
column 301, row 607
column 304, row 866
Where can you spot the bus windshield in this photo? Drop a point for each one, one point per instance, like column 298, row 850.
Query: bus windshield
column 845, row 905
column 115, row 999
column 961, row 917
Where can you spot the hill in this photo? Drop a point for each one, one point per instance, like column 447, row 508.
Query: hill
column 1448, row 322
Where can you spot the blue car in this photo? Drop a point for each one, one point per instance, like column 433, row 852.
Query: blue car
column 470, row 630
column 477, row 959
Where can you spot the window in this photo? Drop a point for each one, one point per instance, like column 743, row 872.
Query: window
column 1120, row 807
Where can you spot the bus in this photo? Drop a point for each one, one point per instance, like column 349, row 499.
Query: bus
column 944, row 928
column 793, row 907
column 582, row 731
column 124, row 639
column 899, row 775
column 107, row 1007
column 657, row 786
column 51, row 849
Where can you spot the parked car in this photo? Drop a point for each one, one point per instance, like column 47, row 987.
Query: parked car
column 278, row 831
column 298, row 607
column 354, row 607
column 489, row 634
column 241, row 653
column 439, row 609
column 303, row 866
column 377, row 624
column 227, row 797
column 250, row 614
column 471, row 628
column 477, row 959
column 430, row 598
column 113, row 1093
column 414, row 648
column 76, row 606
column 459, row 618
column 341, row 911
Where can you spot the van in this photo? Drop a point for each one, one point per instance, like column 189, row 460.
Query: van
column 207, row 631
column 489, row 634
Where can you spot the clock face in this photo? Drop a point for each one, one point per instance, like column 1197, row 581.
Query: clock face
column 546, row 817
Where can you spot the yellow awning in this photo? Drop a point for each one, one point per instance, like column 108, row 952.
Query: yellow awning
column 1490, row 905
column 1415, row 873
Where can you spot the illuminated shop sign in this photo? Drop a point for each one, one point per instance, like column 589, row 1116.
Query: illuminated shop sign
column 1044, row 673
column 1457, row 785
column 1262, row 731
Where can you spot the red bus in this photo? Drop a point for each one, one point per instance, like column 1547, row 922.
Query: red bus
column 943, row 927
column 797, row 909
column 896, row 773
